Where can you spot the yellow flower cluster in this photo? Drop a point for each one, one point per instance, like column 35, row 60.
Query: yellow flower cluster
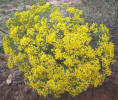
column 58, row 52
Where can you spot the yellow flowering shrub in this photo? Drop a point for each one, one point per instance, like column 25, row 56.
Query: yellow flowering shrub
column 57, row 51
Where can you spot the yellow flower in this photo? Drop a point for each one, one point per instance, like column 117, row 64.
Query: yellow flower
column 25, row 41
column 58, row 51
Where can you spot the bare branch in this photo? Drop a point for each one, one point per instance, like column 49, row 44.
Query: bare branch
column 3, row 31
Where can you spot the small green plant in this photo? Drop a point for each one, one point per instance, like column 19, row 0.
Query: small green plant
column 57, row 50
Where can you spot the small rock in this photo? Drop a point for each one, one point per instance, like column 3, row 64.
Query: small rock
column 9, row 79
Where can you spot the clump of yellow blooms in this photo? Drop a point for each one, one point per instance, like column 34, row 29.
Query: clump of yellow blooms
column 57, row 51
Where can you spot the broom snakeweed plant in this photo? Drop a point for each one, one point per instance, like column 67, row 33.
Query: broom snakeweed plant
column 57, row 50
